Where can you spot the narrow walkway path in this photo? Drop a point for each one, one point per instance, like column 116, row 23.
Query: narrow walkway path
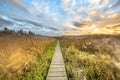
column 57, row 68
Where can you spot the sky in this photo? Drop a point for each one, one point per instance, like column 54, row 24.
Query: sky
column 61, row 17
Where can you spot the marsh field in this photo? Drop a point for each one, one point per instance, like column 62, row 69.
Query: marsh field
column 28, row 57
column 92, row 57
column 25, row 57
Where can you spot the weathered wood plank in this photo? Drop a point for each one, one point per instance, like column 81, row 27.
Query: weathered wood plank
column 57, row 68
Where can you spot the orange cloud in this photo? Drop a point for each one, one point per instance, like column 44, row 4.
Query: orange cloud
column 92, row 13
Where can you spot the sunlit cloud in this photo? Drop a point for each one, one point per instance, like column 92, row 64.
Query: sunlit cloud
column 18, row 3
column 62, row 17
column 92, row 13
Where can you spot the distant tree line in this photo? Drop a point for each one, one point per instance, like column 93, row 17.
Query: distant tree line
column 20, row 32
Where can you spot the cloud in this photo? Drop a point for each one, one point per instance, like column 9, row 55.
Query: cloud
column 38, row 24
column 73, row 4
column 19, row 4
column 58, row 16
column 116, row 4
column 64, row 3
column 4, row 21
column 77, row 24
column 92, row 13
column 37, row 6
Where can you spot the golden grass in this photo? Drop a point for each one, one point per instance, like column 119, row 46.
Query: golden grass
column 16, row 51
column 91, row 58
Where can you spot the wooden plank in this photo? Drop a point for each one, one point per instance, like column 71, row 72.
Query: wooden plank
column 57, row 68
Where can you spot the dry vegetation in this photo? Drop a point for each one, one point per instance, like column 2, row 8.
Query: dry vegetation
column 92, row 57
column 28, row 57
column 18, row 51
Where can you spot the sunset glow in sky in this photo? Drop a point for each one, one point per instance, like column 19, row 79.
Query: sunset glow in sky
column 61, row 17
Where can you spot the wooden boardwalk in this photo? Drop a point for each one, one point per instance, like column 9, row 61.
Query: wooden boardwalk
column 57, row 68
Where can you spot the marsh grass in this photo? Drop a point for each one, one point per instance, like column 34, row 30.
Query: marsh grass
column 38, row 68
column 84, row 61
column 17, row 52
